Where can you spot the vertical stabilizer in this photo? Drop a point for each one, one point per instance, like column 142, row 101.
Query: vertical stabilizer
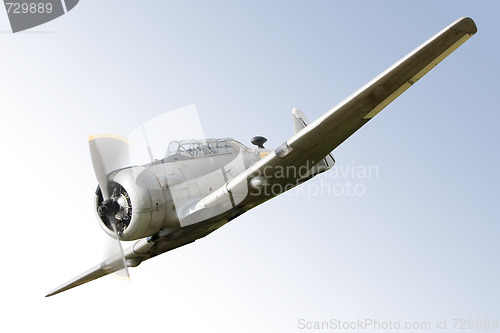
column 299, row 120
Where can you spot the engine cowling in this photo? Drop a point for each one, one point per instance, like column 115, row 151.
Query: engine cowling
column 141, row 205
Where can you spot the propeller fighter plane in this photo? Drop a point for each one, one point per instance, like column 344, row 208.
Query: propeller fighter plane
column 200, row 185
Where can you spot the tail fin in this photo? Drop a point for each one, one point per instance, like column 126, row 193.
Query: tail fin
column 299, row 120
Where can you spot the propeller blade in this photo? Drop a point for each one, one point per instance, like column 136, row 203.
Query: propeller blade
column 108, row 153
column 115, row 247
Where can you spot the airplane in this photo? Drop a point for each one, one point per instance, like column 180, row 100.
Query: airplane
column 200, row 185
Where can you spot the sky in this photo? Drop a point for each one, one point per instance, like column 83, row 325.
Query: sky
column 404, row 229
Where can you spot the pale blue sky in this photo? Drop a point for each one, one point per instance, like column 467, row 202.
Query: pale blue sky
column 420, row 244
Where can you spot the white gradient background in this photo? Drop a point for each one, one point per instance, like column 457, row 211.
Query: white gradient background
column 422, row 243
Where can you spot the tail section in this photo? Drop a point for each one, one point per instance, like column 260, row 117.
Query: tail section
column 299, row 122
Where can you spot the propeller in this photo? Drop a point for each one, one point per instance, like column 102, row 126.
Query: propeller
column 110, row 153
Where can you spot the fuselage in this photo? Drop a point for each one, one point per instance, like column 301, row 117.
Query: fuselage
column 161, row 194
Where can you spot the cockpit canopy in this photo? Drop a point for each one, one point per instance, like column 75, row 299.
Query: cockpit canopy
column 203, row 148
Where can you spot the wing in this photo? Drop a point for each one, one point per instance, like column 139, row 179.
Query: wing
column 289, row 163
column 144, row 249
column 335, row 126
column 111, row 265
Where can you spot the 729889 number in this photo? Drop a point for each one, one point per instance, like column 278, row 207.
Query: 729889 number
column 475, row 324
column 25, row 7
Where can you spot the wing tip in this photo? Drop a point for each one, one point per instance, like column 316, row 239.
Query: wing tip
column 54, row 292
column 465, row 25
